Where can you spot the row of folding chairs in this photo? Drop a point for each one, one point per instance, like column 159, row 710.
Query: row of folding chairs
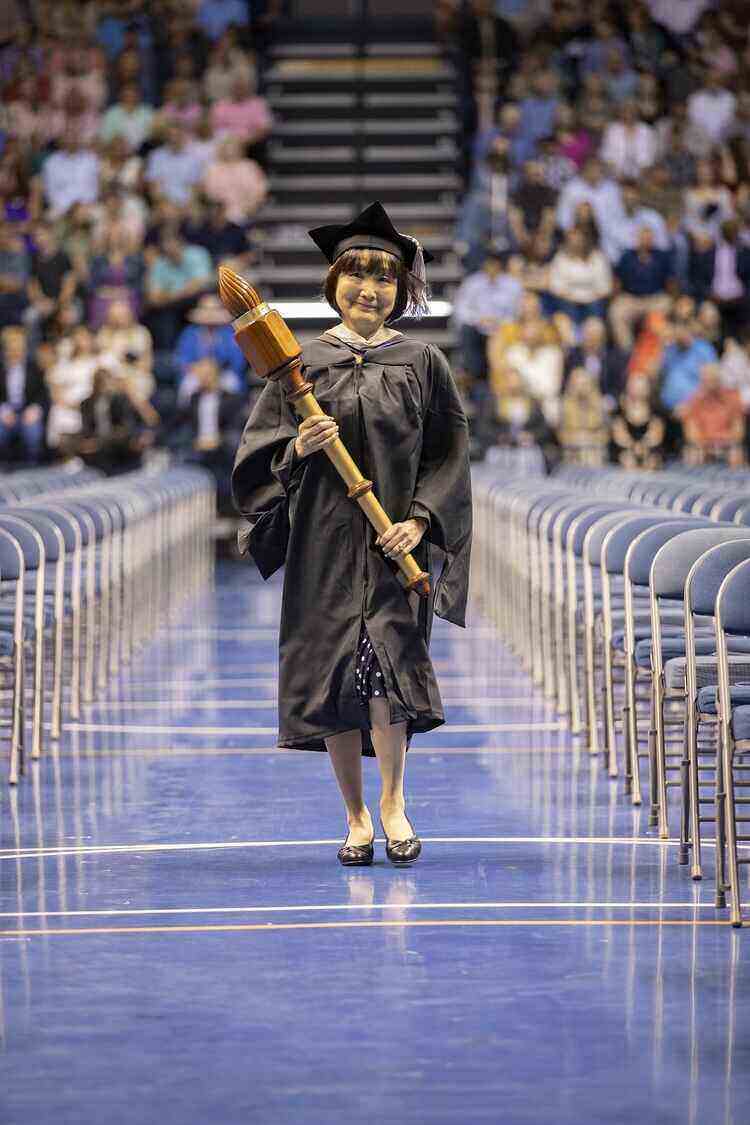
column 627, row 597
column 88, row 573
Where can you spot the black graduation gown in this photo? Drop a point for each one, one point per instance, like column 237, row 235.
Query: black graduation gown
column 401, row 418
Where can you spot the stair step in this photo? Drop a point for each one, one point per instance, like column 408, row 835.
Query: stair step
column 312, row 50
column 296, row 102
column 439, row 242
column 407, row 102
column 411, row 153
column 305, row 214
column 396, row 69
column 440, row 125
column 401, row 49
column 444, row 182
column 342, row 154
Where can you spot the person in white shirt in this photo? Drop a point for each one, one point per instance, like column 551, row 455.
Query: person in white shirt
column 580, row 277
column 540, row 365
column 629, row 145
column 484, row 300
column 603, row 194
column 712, row 108
column 69, row 176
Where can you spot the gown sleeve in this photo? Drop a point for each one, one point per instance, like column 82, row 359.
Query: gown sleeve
column 442, row 494
column 265, row 470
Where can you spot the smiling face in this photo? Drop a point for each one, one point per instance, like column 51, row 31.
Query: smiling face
column 366, row 290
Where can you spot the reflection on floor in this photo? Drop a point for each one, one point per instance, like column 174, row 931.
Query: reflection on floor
column 178, row 942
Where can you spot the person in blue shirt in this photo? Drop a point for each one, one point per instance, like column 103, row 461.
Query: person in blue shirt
column 178, row 275
column 644, row 275
column 682, row 363
column 209, row 335
column 215, row 16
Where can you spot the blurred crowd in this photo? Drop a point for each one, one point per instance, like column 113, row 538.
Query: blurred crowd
column 605, row 229
column 131, row 164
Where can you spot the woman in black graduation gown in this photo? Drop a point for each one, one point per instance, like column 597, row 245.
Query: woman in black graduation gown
column 355, row 676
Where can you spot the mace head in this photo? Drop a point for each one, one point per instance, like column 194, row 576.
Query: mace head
column 236, row 294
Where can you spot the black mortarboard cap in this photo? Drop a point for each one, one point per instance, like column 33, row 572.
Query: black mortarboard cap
column 371, row 230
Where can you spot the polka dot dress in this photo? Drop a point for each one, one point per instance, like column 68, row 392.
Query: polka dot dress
column 368, row 677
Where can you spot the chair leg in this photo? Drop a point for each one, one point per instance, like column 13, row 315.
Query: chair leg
column 660, row 751
column 720, row 812
column 731, row 835
column 693, row 827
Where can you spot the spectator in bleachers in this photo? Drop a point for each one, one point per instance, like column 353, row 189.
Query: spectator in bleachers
column 214, row 417
column 70, row 175
column 483, row 302
column 539, row 109
column 606, row 364
column 571, row 143
column 583, row 432
column 603, row 194
column 711, row 108
column 643, row 277
column 128, row 347
column 735, row 367
column 243, row 114
column 506, row 130
column 14, row 276
column 214, row 17
column 209, row 335
column 174, row 168
column 227, row 64
column 708, row 203
column 637, row 430
column 207, row 225
column 635, row 215
column 713, row 421
column 180, row 106
column 580, row 277
column 598, row 48
column 620, row 81
column 531, row 208
column 721, row 271
column 682, row 362
column 52, row 281
column 483, row 218
column 540, row 364
column 113, row 274
column 514, row 417
column 236, row 181
column 178, row 274
column 23, row 399
column 628, row 145
column 116, row 426
column 594, row 110
column 129, row 118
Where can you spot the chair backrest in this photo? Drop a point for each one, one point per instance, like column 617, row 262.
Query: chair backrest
column 641, row 552
column 61, row 519
column 730, row 505
column 11, row 556
column 618, row 540
column 733, row 602
column 709, row 572
column 742, row 515
column 674, row 560
column 26, row 537
column 45, row 527
column 587, row 520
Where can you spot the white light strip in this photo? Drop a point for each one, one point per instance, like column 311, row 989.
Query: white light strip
column 317, row 310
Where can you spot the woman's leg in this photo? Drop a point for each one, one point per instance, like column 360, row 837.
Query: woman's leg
column 389, row 743
column 345, row 752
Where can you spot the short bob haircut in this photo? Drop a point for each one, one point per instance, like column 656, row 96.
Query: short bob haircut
column 411, row 294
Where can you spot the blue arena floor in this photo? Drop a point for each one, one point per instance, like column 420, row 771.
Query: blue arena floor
column 179, row 944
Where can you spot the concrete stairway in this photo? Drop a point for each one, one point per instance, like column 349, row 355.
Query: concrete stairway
column 353, row 126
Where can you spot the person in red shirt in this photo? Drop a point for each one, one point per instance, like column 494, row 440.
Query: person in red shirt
column 713, row 421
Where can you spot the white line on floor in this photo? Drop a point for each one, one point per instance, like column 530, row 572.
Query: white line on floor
column 193, row 731
column 320, row 908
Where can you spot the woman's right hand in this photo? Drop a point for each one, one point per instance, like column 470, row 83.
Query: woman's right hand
column 315, row 432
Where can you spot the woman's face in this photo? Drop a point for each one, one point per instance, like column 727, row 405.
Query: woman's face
column 366, row 296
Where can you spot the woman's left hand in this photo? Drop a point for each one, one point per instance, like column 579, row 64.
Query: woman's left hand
column 401, row 538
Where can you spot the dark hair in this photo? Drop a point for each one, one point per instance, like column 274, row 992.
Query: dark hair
column 410, row 294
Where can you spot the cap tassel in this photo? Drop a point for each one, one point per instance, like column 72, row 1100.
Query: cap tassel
column 420, row 302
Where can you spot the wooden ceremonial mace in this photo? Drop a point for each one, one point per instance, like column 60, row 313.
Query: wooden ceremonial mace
column 273, row 353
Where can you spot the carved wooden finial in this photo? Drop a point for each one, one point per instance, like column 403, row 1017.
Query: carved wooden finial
column 236, row 294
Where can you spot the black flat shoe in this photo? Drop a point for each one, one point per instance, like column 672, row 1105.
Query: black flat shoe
column 357, row 855
column 401, row 852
